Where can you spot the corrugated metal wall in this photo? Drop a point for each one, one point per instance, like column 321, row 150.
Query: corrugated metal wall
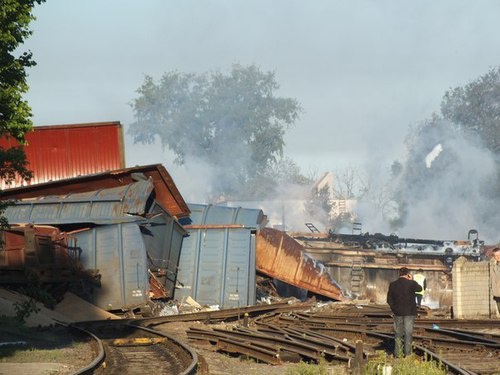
column 65, row 151
column 217, row 263
column 119, row 253
column 100, row 206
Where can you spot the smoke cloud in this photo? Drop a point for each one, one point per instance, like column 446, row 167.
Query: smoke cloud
column 446, row 187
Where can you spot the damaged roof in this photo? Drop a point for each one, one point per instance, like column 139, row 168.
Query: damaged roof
column 102, row 206
column 165, row 190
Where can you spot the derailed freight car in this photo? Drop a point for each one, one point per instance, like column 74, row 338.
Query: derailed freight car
column 122, row 232
column 217, row 265
column 37, row 252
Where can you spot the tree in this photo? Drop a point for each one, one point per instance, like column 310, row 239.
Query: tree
column 233, row 122
column 475, row 108
column 452, row 171
column 15, row 113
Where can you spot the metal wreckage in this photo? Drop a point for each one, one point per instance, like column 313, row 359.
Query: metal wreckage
column 125, row 240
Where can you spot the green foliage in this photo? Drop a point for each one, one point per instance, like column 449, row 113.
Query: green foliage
column 411, row 365
column 15, row 113
column 25, row 308
column 232, row 122
column 13, row 163
column 304, row 368
column 35, row 293
column 476, row 108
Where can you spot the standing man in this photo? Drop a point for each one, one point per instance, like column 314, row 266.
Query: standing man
column 495, row 276
column 420, row 279
column 401, row 299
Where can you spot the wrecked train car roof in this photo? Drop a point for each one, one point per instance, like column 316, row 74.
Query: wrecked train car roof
column 103, row 206
column 166, row 192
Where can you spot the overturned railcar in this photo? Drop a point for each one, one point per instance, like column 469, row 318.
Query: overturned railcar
column 281, row 257
column 123, row 233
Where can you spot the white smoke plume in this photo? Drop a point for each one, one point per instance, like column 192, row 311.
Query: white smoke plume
column 446, row 186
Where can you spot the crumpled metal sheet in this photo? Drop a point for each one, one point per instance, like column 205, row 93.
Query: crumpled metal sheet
column 102, row 206
column 280, row 256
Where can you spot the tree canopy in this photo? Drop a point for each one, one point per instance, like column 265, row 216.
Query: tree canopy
column 453, row 159
column 475, row 108
column 234, row 122
column 15, row 113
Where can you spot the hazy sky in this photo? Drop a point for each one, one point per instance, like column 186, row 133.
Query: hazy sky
column 364, row 71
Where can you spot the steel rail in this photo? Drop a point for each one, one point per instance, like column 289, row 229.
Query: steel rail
column 455, row 368
column 451, row 366
column 302, row 348
column 278, row 341
column 123, row 337
column 225, row 314
column 236, row 346
column 326, row 346
column 295, row 333
column 192, row 368
column 98, row 359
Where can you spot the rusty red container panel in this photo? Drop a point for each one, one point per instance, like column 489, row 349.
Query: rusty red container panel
column 280, row 256
column 39, row 249
column 65, row 151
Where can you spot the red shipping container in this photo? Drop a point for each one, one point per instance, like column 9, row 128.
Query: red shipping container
column 65, row 151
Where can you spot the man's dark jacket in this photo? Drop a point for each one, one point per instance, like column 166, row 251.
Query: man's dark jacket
column 401, row 296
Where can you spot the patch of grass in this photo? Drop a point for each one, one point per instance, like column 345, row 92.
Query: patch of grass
column 381, row 364
column 23, row 354
column 411, row 365
column 49, row 344
column 13, row 329
column 321, row 368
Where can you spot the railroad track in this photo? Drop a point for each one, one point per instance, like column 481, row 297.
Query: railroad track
column 125, row 348
column 462, row 346
column 277, row 337
column 284, row 333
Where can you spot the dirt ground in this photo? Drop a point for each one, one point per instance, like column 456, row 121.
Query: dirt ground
column 66, row 358
column 225, row 364
column 44, row 351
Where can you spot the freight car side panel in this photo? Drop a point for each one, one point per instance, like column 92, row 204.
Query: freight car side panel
column 119, row 254
column 217, row 267
column 65, row 151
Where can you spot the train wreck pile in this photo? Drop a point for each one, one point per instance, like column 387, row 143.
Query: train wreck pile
column 126, row 241
column 364, row 264
column 116, row 247
column 352, row 334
